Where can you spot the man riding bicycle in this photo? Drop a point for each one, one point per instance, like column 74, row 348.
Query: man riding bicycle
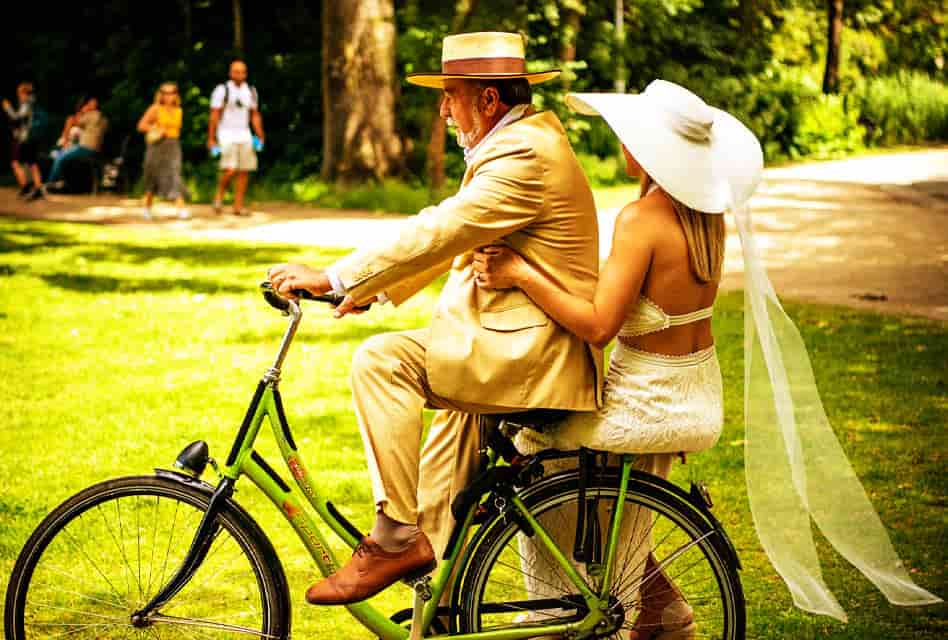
column 485, row 351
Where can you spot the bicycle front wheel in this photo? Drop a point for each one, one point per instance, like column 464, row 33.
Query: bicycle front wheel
column 105, row 552
column 512, row 581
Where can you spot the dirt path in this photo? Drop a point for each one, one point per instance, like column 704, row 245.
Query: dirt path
column 867, row 232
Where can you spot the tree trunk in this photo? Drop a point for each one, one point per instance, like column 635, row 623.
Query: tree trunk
column 359, row 91
column 238, row 29
column 833, row 42
column 570, row 33
column 188, row 31
column 620, row 46
column 434, row 158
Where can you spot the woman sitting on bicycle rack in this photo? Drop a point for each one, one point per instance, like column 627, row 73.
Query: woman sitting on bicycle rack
column 663, row 392
column 655, row 292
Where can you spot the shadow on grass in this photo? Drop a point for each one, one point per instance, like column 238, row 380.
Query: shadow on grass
column 28, row 239
column 21, row 240
column 198, row 255
column 107, row 284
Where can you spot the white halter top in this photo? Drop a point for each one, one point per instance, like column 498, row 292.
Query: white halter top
column 648, row 317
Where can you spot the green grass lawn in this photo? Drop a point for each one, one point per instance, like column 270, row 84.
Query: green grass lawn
column 117, row 348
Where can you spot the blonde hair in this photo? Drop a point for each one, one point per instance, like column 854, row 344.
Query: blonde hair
column 705, row 235
column 168, row 86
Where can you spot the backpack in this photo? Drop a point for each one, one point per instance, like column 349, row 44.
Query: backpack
column 226, row 85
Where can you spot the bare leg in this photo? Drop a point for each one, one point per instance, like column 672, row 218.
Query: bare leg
column 179, row 205
column 222, row 183
column 19, row 173
column 37, row 178
column 146, row 211
column 239, row 190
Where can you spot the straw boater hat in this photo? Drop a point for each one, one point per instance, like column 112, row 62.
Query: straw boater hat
column 701, row 156
column 488, row 55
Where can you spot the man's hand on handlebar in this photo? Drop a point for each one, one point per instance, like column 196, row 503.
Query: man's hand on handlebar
column 287, row 277
column 348, row 306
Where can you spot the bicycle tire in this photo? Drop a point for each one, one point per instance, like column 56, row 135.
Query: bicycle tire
column 482, row 604
column 96, row 597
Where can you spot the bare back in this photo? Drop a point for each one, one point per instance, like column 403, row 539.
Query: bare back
column 671, row 284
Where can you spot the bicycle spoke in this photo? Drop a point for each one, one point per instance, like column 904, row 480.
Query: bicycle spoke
column 173, row 529
column 81, row 628
column 138, row 539
column 667, row 561
column 631, row 579
column 120, row 544
column 627, row 566
column 566, row 525
column 92, row 564
column 154, row 540
column 59, row 589
column 208, row 624
column 569, row 604
column 210, row 555
column 532, row 577
column 46, row 605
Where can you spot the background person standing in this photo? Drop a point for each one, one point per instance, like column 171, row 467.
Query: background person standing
column 234, row 107
column 27, row 123
column 161, row 124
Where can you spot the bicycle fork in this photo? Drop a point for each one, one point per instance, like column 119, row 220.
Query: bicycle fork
column 200, row 545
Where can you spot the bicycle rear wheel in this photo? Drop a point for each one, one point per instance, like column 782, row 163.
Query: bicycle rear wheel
column 511, row 581
column 105, row 552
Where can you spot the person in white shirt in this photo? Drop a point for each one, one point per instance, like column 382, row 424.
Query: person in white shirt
column 234, row 108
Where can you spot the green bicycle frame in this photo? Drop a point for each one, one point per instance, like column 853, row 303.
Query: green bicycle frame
column 244, row 460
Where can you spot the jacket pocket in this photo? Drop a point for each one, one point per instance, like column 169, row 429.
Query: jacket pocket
column 514, row 319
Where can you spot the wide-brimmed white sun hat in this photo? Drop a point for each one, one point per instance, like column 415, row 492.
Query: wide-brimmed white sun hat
column 483, row 55
column 702, row 156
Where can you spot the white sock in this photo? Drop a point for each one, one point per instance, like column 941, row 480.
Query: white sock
column 183, row 214
column 147, row 212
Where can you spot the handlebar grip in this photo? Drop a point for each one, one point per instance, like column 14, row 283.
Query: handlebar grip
column 279, row 302
column 335, row 299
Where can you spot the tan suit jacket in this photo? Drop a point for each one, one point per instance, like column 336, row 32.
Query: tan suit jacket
column 525, row 188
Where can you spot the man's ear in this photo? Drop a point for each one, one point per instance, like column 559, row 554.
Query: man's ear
column 491, row 101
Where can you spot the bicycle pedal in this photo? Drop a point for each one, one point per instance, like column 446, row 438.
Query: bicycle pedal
column 422, row 587
column 421, row 575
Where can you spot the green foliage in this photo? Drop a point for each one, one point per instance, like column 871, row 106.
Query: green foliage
column 391, row 195
column 603, row 172
column 760, row 59
column 829, row 129
column 908, row 108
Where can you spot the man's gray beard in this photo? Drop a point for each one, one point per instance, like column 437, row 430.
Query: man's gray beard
column 465, row 140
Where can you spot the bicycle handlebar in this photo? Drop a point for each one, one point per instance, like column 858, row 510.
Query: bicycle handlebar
column 277, row 301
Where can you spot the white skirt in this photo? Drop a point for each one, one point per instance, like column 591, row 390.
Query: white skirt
column 652, row 403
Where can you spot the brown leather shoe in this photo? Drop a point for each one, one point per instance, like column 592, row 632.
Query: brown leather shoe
column 370, row 570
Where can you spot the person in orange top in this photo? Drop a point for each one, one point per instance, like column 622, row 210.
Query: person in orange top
column 161, row 124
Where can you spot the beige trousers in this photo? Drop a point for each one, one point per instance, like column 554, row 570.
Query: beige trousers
column 410, row 482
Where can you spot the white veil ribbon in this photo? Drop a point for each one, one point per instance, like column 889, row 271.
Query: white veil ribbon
column 795, row 467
